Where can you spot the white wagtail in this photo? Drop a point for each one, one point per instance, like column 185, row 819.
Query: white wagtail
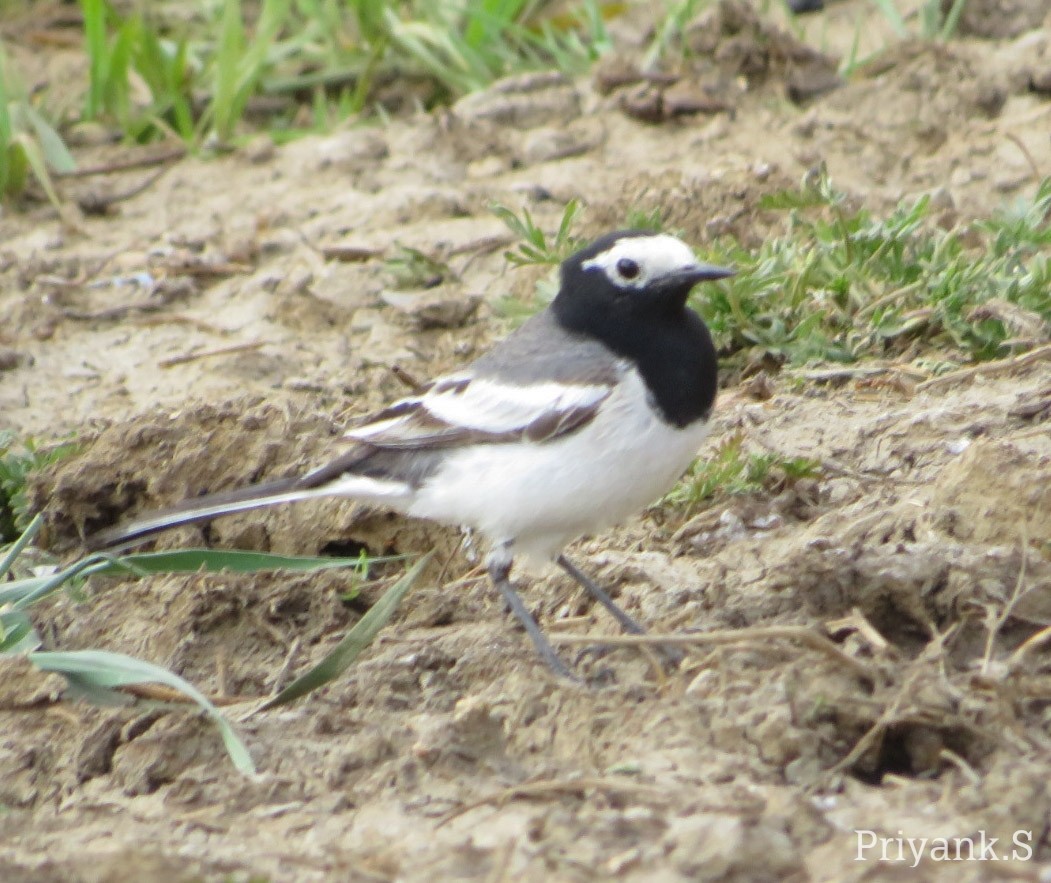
column 588, row 412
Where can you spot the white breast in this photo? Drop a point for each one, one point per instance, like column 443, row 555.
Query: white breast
column 542, row 495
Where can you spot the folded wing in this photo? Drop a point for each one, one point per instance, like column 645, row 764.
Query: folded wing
column 462, row 410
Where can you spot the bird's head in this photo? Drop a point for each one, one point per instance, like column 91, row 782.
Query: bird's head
column 634, row 270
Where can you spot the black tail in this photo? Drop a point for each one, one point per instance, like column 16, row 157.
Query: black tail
column 257, row 496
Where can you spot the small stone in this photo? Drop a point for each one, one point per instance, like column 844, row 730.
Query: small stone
column 1040, row 81
column 811, row 81
column 686, row 97
column 524, row 101
column 259, row 150
column 350, row 252
column 643, row 102
column 989, row 98
column 549, row 144
column 10, row 358
column 436, row 308
column 615, row 72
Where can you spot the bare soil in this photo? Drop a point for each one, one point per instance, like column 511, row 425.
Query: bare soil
column 449, row 752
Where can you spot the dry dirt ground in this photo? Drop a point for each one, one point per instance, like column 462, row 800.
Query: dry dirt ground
column 449, row 752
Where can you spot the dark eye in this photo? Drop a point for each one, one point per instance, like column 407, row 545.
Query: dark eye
column 627, row 268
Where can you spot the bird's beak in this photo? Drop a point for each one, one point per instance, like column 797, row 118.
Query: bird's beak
column 702, row 273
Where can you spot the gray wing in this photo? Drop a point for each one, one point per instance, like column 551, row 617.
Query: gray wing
column 538, row 384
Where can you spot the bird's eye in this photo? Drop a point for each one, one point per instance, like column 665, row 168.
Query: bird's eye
column 627, row 268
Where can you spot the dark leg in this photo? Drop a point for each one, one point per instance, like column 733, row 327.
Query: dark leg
column 499, row 568
column 673, row 654
column 599, row 594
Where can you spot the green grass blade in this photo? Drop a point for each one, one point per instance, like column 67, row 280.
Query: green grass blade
column 94, row 12
column 193, row 560
column 352, row 644
column 34, row 157
column 18, row 545
column 23, row 593
column 51, row 144
column 17, row 634
column 952, row 20
column 890, row 12
column 96, row 673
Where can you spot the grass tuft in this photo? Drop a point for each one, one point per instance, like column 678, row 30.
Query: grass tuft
column 325, row 55
column 30, row 146
column 842, row 285
column 99, row 676
column 731, row 471
column 17, row 461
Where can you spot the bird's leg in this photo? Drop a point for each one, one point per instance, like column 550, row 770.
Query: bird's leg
column 499, row 567
column 627, row 622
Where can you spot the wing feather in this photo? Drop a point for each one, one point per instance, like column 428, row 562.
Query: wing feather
column 462, row 410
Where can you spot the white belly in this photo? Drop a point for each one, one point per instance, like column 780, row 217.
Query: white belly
column 539, row 496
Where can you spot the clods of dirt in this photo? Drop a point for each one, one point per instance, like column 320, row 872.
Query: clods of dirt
column 886, row 667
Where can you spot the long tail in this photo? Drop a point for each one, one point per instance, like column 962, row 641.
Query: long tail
column 340, row 477
column 285, row 490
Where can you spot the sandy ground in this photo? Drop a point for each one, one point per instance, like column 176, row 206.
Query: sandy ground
column 449, row 752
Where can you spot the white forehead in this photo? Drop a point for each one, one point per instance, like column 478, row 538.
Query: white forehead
column 656, row 256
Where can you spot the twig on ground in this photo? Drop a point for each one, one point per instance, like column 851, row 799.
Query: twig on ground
column 160, row 693
column 1020, row 144
column 803, row 635
column 857, row 622
column 1041, row 638
column 208, row 354
column 1008, row 608
column 545, row 787
column 988, row 368
column 96, row 203
column 124, row 165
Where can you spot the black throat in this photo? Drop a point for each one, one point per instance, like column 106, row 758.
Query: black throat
column 666, row 340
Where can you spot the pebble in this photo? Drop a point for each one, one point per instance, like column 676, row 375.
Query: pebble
column 436, row 308
column 10, row 358
column 524, row 101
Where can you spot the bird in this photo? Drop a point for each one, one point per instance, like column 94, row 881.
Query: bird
column 589, row 411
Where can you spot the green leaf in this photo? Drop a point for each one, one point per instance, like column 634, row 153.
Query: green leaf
column 18, row 545
column 17, row 634
column 96, row 674
column 214, row 560
column 353, row 643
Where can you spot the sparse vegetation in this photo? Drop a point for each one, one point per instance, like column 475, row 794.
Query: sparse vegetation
column 412, row 268
column 30, row 146
column 17, row 461
column 200, row 76
column 101, row 675
column 842, row 285
column 535, row 247
column 731, row 470
column 934, row 21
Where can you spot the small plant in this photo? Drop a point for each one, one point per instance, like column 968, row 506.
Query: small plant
column 641, row 219
column 120, row 50
column 841, row 285
column 104, row 676
column 412, row 268
column 535, row 248
column 17, row 462
column 935, row 22
column 731, row 471
column 465, row 46
column 29, row 144
column 198, row 85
